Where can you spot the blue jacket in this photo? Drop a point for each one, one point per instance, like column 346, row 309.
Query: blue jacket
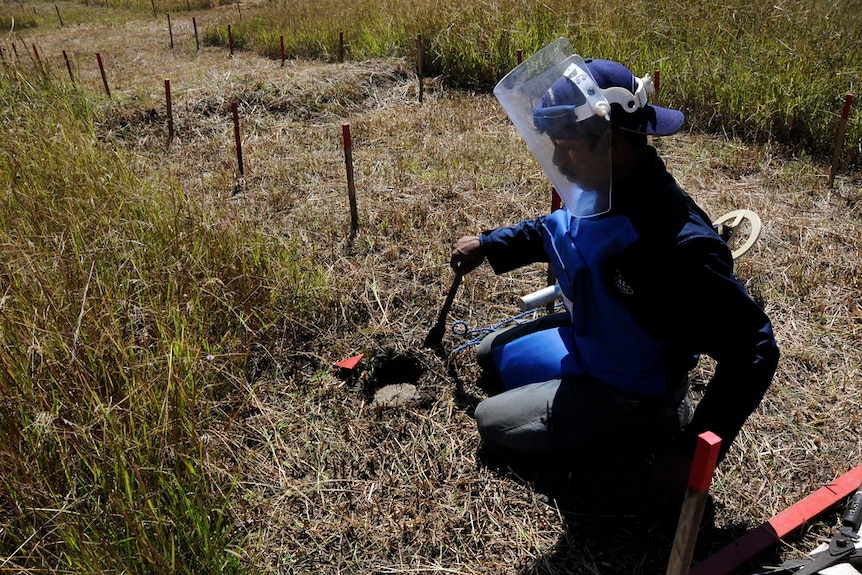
column 676, row 282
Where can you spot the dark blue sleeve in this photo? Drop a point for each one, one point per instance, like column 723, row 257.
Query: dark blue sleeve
column 710, row 309
column 515, row 246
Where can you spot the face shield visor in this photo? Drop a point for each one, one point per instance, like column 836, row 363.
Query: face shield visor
column 564, row 117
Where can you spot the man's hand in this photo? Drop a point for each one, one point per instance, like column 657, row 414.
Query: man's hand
column 466, row 254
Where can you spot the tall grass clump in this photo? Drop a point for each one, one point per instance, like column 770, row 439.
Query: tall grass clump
column 126, row 316
column 762, row 71
column 18, row 16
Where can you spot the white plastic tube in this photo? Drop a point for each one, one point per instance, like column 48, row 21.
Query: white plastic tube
column 540, row 297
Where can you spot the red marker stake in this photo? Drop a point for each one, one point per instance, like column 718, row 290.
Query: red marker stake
column 696, row 493
column 656, row 82
column 420, row 56
column 281, row 44
column 351, row 189
column 230, row 39
column 341, row 47
column 237, row 138
column 102, row 71
column 38, row 59
column 170, row 31
column 169, row 111
column 839, row 138
column 68, row 66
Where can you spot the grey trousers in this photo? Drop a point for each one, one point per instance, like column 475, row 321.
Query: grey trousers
column 570, row 414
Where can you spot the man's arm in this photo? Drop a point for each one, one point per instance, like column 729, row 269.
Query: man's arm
column 511, row 247
column 717, row 317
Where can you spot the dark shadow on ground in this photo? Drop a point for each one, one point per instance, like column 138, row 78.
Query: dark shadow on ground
column 612, row 523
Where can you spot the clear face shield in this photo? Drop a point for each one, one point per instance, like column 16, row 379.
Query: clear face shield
column 564, row 117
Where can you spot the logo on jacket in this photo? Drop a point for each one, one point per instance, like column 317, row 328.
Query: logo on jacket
column 621, row 285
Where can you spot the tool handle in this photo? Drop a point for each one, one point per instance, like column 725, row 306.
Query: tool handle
column 853, row 515
column 450, row 297
column 435, row 336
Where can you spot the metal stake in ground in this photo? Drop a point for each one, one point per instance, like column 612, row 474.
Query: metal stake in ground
column 435, row 337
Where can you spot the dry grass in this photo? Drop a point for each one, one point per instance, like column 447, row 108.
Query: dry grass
column 330, row 482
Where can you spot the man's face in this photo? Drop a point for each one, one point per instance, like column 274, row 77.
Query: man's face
column 589, row 166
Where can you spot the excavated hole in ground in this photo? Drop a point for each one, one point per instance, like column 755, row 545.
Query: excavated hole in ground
column 392, row 378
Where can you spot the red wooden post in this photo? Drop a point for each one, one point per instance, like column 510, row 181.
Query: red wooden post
column 230, row 39
column 169, row 110
column 839, row 138
column 351, row 189
column 68, row 67
column 656, row 82
column 697, row 491
column 170, row 31
column 236, row 137
column 38, row 60
column 520, row 56
column 420, row 56
column 341, row 46
column 281, row 44
column 102, row 71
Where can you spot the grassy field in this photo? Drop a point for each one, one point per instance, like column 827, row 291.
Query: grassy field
column 763, row 71
column 169, row 328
